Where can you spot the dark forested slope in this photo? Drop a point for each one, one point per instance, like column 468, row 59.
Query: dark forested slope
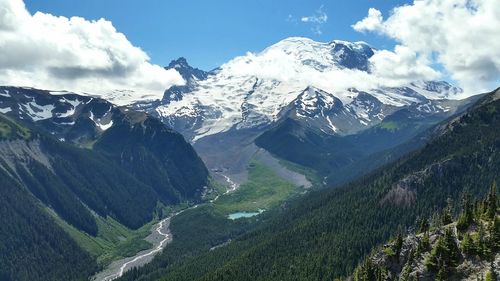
column 32, row 245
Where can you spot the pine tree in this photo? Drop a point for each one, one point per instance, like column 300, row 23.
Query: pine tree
column 446, row 216
column 481, row 241
column 398, row 244
column 423, row 225
column 405, row 274
column 495, row 235
column 369, row 272
column 445, row 255
column 478, row 209
column 467, row 245
column 492, row 202
column 452, row 252
column 423, row 244
column 467, row 216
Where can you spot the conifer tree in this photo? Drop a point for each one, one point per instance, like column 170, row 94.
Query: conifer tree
column 481, row 241
column 491, row 202
column 398, row 244
column 445, row 255
column 467, row 215
column 423, row 225
column 446, row 216
column 467, row 245
column 495, row 234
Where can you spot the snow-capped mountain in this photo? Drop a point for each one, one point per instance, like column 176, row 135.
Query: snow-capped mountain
column 296, row 77
column 67, row 116
column 320, row 109
column 187, row 72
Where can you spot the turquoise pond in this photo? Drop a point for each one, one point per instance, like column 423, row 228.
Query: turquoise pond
column 239, row 215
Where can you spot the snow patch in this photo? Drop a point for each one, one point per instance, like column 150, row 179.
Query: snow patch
column 59, row 93
column 5, row 93
column 104, row 127
column 100, row 124
column 38, row 112
column 5, row 110
column 71, row 111
column 67, row 123
column 331, row 124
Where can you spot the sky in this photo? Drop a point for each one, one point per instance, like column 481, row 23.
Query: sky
column 209, row 33
column 120, row 47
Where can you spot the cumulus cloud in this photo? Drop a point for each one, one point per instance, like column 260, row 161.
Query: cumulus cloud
column 318, row 19
column 54, row 52
column 371, row 22
column 460, row 35
column 401, row 66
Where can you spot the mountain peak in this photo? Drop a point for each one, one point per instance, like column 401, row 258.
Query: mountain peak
column 178, row 63
column 187, row 71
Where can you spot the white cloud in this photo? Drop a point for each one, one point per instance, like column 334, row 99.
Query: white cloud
column 371, row 22
column 51, row 52
column 401, row 66
column 301, row 62
column 460, row 35
column 318, row 19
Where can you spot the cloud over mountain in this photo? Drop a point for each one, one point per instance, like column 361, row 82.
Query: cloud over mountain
column 55, row 52
column 460, row 35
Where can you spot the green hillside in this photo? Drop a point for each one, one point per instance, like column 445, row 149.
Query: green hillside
column 33, row 246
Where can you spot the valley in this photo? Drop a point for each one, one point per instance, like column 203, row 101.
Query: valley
column 265, row 188
column 249, row 140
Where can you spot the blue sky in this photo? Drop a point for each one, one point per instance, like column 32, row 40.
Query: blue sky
column 209, row 33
